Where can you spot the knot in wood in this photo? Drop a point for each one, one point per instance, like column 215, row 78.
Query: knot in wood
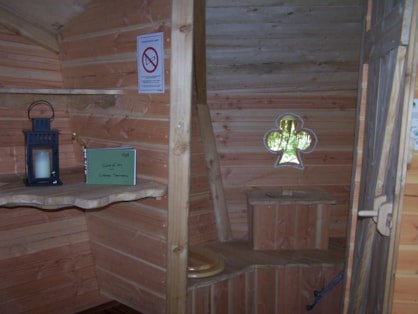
column 180, row 148
column 187, row 28
column 178, row 249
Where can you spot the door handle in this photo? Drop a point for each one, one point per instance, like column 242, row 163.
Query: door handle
column 382, row 215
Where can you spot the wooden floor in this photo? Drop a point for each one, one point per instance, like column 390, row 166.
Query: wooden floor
column 112, row 307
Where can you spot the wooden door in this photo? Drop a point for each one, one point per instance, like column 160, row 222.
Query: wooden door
column 385, row 98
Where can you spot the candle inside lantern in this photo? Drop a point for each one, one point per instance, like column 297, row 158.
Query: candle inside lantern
column 42, row 164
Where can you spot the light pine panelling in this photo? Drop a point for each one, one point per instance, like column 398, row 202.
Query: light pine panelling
column 46, row 262
column 265, row 58
column 98, row 54
column 240, row 122
column 277, row 47
column 101, row 53
column 98, row 50
column 23, row 64
column 405, row 299
column 45, row 257
column 26, row 65
column 99, row 46
column 406, row 280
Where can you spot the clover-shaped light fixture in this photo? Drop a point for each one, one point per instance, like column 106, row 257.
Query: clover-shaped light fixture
column 289, row 139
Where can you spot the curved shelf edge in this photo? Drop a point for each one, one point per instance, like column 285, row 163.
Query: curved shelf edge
column 74, row 193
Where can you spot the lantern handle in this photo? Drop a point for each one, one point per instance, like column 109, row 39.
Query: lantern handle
column 41, row 102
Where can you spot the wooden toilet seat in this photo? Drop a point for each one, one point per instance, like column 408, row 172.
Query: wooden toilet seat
column 203, row 263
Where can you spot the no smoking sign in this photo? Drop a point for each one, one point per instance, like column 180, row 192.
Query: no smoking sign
column 150, row 57
column 150, row 60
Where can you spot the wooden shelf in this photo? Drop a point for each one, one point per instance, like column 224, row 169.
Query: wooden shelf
column 73, row 193
column 58, row 91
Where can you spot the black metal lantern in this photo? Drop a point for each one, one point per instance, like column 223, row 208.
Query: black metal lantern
column 42, row 160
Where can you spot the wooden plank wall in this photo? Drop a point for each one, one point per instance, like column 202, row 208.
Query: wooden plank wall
column 405, row 298
column 262, row 60
column 46, row 264
column 25, row 64
column 98, row 50
column 265, row 59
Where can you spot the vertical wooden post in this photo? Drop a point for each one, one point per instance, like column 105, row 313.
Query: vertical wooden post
column 179, row 154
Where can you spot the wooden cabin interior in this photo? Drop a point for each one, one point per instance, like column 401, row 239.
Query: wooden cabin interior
column 231, row 67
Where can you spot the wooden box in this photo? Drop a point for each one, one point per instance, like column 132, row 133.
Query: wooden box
column 288, row 219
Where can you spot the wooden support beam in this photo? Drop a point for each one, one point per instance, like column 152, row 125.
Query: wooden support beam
column 179, row 154
column 26, row 29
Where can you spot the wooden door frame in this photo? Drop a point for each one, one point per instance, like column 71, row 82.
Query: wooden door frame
column 411, row 43
column 410, row 78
